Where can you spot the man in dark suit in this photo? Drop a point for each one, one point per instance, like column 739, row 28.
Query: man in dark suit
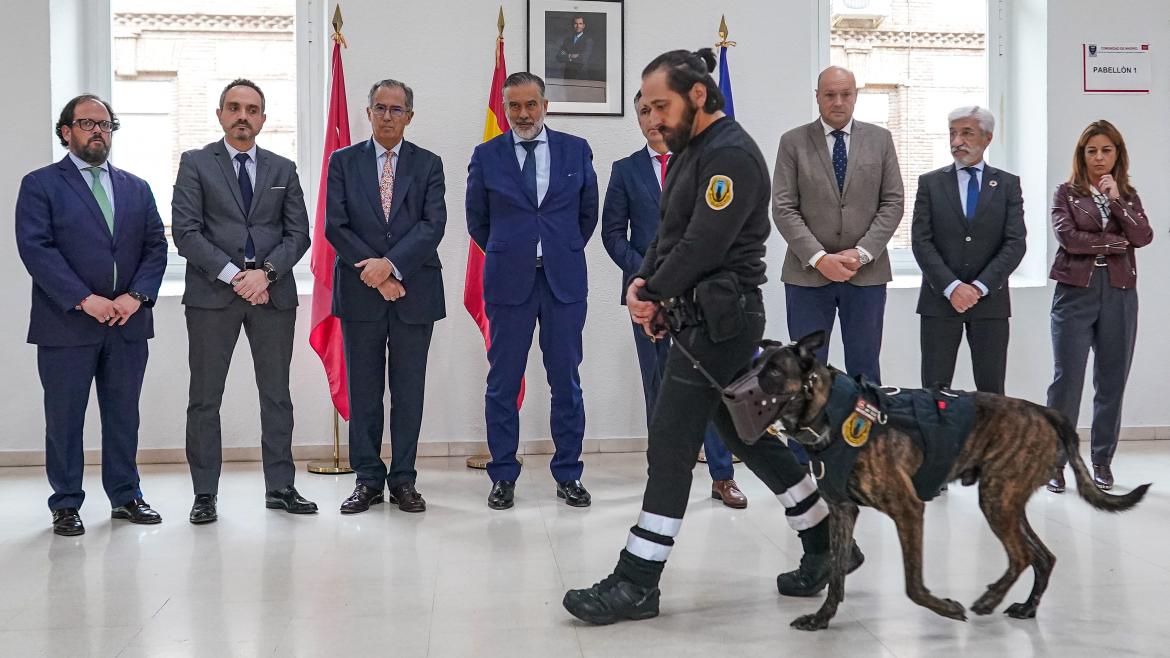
column 385, row 218
column 629, row 220
column 532, row 206
column 968, row 237
column 239, row 218
column 576, row 52
column 91, row 237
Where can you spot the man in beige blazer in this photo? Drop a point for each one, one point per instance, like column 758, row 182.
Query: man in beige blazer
column 837, row 199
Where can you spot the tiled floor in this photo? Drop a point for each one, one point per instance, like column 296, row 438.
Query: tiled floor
column 462, row 580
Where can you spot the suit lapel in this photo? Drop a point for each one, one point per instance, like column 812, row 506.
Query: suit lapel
column 76, row 180
column 644, row 167
column 121, row 198
column 507, row 152
column 229, row 174
column 857, row 142
column 816, row 134
column 556, row 165
column 402, row 178
column 368, row 175
column 951, row 192
column 263, row 178
column 987, row 189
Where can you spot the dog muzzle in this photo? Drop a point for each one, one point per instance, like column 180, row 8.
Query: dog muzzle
column 754, row 411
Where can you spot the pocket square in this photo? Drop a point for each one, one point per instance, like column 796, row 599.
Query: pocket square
column 277, row 187
column 571, row 173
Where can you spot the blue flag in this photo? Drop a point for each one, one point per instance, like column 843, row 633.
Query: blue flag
column 725, row 83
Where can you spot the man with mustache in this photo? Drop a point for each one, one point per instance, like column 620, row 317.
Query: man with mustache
column 968, row 237
column 531, row 207
column 629, row 220
column 706, row 265
column 239, row 218
column 91, row 237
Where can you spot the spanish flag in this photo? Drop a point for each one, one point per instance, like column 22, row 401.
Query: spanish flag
column 495, row 125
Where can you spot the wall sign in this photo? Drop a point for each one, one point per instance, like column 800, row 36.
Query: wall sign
column 1115, row 69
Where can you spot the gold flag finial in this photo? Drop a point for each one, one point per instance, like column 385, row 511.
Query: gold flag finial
column 337, row 23
column 500, row 22
column 723, row 42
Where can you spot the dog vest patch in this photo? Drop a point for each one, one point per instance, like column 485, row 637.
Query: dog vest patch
column 859, row 413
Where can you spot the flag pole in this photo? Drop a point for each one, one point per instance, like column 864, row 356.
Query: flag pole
column 336, row 466
column 480, row 461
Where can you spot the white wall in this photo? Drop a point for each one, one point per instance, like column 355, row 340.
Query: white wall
column 446, row 55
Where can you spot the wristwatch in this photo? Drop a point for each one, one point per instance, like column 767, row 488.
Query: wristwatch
column 139, row 296
column 270, row 272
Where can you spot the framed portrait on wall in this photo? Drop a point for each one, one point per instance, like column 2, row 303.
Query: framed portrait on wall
column 578, row 47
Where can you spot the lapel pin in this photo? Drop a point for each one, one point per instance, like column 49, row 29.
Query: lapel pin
column 993, row 183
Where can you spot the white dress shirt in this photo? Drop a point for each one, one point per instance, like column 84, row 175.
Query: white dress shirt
column 543, row 168
column 656, row 166
column 963, row 179
column 831, row 141
column 230, row 270
column 104, row 176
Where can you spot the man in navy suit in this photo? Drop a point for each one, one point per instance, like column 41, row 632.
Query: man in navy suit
column 91, row 237
column 385, row 218
column 532, row 206
column 629, row 220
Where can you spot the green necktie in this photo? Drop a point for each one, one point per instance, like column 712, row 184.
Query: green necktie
column 103, row 201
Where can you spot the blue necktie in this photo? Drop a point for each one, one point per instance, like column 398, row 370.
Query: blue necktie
column 246, row 196
column 840, row 158
column 528, row 171
column 972, row 191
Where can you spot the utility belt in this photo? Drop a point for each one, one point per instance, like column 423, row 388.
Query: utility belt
column 716, row 304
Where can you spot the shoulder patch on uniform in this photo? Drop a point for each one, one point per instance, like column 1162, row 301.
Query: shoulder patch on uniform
column 719, row 192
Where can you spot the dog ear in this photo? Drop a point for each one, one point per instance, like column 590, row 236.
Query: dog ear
column 811, row 343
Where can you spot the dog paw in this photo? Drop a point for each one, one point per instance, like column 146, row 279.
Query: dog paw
column 1020, row 611
column 952, row 610
column 814, row 622
column 985, row 604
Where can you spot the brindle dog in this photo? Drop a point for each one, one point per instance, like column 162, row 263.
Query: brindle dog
column 1011, row 450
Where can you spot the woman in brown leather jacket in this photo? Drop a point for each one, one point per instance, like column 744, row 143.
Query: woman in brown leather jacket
column 1099, row 221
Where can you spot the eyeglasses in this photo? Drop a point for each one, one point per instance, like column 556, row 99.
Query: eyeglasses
column 394, row 111
column 88, row 124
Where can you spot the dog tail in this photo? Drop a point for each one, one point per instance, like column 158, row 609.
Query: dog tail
column 1070, row 442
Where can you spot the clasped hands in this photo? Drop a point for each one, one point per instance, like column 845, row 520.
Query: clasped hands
column 644, row 313
column 110, row 312
column 379, row 273
column 841, row 266
column 252, row 285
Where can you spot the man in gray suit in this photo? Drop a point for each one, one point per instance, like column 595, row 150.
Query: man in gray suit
column 239, row 218
column 837, row 199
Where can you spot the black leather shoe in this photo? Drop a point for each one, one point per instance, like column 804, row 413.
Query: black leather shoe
column 1103, row 476
column 290, row 501
column 407, row 498
column 203, row 511
column 813, row 574
column 67, row 522
column 611, row 600
column 136, row 511
column 574, row 493
column 361, row 499
column 502, row 495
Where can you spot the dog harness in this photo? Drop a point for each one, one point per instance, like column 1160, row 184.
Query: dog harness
column 859, row 412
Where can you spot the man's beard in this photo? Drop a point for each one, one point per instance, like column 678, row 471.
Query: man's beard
column 530, row 132
column 679, row 136
column 94, row 152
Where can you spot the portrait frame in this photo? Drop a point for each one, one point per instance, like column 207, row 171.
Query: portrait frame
column 582, row 64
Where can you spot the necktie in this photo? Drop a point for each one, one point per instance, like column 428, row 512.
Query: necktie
column 972, row 191
column 246, row 196
column 103, row 201
column 840, row 158
column 528, row 171
column 662, row 160
column 386, row 184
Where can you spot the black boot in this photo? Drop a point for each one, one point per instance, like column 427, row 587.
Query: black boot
column 630, row 592
column 813, row 574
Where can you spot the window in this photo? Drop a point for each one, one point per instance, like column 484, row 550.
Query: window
column 915, row 61
column 171, row 61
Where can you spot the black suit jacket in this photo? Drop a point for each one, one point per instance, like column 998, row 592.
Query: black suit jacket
column 986, row 249
column 357, row 229
column 631, row 213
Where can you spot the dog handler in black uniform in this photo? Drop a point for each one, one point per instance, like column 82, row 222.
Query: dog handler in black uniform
column 706, row 264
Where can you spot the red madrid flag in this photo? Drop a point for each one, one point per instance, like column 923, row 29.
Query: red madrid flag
column 495, row 125
column 325, row 328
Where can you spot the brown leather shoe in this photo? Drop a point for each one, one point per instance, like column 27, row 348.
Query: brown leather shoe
column 728, row 491
column 1103, row 476
column 1056, row 484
